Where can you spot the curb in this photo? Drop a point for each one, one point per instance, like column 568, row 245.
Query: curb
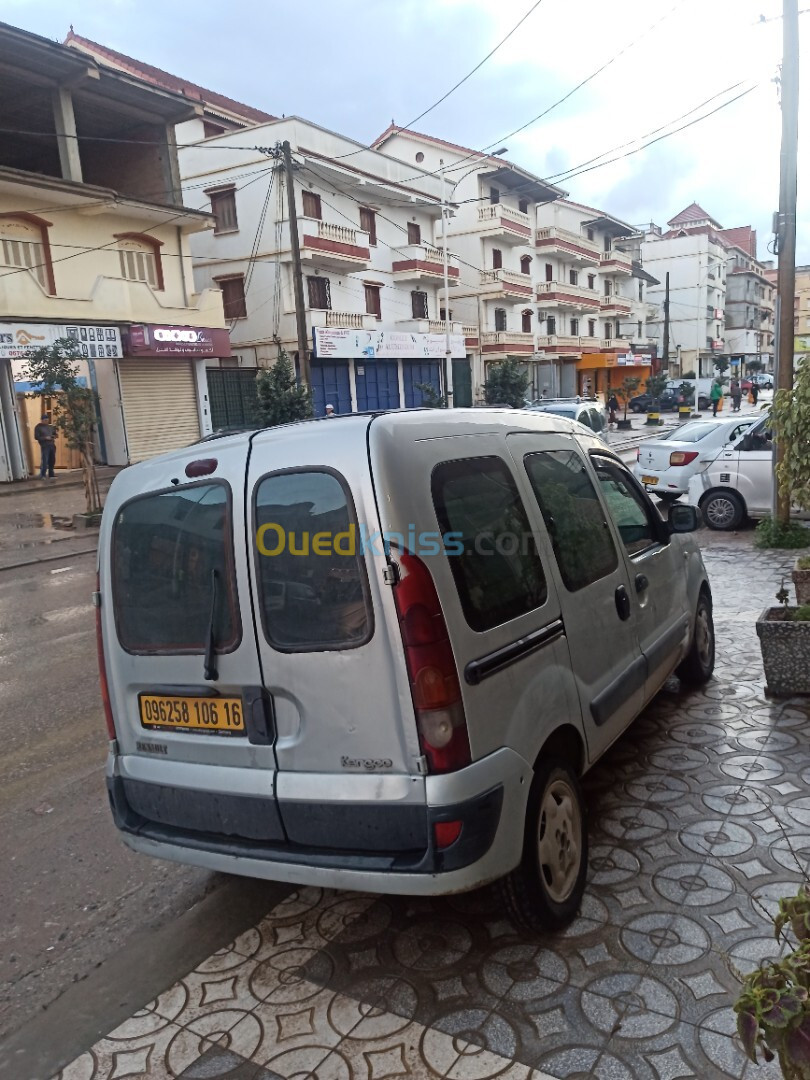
column 49, row 558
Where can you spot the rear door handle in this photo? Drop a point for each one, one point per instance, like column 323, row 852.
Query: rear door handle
column 642, row 583
column 622, row 603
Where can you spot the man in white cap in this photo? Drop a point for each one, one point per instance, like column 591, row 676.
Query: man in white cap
column 330, row 412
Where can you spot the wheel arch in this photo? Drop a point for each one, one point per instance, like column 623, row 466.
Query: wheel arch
column 720, row 489
column 565, row 742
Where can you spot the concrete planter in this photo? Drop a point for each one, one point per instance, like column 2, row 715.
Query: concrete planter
column 785, row 653
column 801, row 582
column 82, row 522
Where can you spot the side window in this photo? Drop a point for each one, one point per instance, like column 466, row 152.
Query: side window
column 595, row 419
column 313, row 587
column 759, row 438
column 583, row 545
column 496, row 566
column 628, row 507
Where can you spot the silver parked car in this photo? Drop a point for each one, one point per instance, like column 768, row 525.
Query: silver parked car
column 587, row 411
column 380, row 653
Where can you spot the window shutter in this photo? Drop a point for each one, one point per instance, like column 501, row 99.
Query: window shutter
column 414, row 233
column 497, row 259
column 419, row 305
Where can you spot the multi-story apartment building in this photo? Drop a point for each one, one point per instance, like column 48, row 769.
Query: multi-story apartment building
column 801, row 300
column 372, row 271
column 94, row 246
column 556, row 288
column 721, row 302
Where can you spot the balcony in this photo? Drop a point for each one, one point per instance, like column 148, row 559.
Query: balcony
column 328, row 247
column 428, row 326
column 561, row 344
column 613, row 344
column 505, row 343
column 569, row 245
column 502, row 283
column 420, row 262
column 497, row 221
column 615, row 262
column 556, row 294
column 344, row 320
column 615, row 305
column 471, row 335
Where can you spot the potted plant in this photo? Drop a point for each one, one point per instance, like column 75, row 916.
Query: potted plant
column 773, row 1008
column 655, row 387
column 686, row 399
column 784, row 638
column 624, row 392
column 801, row 579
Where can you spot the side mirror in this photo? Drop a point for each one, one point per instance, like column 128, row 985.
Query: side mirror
column 683, row 518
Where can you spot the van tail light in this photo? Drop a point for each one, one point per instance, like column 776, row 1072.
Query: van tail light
column 432, row 672
column 682, row 457
column 102, row 666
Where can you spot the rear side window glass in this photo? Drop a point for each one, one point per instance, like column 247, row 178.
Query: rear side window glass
column 695, row 432
column 629, row 507
column 170, row 551
column 312, row 579
column 492, row 551
column 583, row 546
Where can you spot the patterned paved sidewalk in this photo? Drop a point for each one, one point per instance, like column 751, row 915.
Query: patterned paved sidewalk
column 700, row 820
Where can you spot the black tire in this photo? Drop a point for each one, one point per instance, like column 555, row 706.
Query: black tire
column 668, row 497
column 528, row 893
column 698, row 665
column 703, row 403
column 723, row 510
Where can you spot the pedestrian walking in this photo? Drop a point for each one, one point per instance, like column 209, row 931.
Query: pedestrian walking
column 753, row 393
column 716, row 396
column 45, row 435
column 736, row 395
column 613, row 406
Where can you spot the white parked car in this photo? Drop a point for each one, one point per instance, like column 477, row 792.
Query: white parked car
column 666, row 465
column 739, row 482
column 587, row 411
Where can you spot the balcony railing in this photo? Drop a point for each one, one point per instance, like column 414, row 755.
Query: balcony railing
column 506, row 337
column 344, row 320
column 470, row 331
column 621, row 344
column 561, row 239
column 616, row 261
column 620, row 303
column 499, row 211
column 506, row 278
column 341, row 234
column 557, row 341
column 547, row 289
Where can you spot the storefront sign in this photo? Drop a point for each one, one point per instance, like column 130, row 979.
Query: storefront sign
column 384, row 345
column 17, row 340
column 144, row 339
column 633, row 360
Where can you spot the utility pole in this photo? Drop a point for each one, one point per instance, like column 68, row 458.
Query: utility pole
column 786, row 234
column 447, row 376
column 298, row 280
column 665, row 357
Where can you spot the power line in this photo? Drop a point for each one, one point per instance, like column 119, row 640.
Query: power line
column 461, row 82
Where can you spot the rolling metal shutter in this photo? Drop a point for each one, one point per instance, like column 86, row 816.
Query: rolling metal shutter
column 160, row 406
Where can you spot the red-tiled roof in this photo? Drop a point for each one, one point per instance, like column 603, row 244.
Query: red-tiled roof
column 743, row 237
column 168, row 81
column 691, row 214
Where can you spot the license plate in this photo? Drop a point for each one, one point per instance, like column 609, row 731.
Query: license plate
column 651, row 480
column 222, row 714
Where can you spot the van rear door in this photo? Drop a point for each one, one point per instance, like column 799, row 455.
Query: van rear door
column 194, row 726
column 330, row 648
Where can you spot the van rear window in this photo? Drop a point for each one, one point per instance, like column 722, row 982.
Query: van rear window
column 168, row 549
column 312, row 576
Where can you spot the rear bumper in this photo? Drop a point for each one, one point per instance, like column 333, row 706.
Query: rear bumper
column 488, row 798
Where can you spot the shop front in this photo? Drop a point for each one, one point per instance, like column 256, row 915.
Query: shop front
column 599, row 373
column 359, row 370
column 97, row 344
column 162, row 389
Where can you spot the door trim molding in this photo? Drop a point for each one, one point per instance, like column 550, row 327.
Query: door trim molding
column 478, row 670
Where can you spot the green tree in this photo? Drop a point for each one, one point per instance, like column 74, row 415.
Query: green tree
column 626, row 390
column 281, row 399
column 753, row 366
column 506, row 384
column 431, row 398
column 53, row 371
column 721, row 365
column 656, row 384
column 790, row 423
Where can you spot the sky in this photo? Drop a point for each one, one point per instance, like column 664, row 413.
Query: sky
column 356, row 65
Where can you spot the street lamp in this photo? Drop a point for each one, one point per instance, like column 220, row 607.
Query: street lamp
column 448, row 367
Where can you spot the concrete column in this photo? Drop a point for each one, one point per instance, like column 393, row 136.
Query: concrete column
column 65, row 125
column 171, row 169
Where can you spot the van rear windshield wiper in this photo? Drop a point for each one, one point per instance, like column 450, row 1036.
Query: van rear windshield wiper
column 209, row 671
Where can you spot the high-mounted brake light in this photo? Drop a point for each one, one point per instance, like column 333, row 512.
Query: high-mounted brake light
column 201, row 467
column 102, row 666
column 682, row 457
column 432, row 671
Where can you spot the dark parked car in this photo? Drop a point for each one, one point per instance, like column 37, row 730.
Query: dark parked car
column 643, row 402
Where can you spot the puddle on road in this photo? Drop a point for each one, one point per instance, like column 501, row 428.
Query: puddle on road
column 36, row 520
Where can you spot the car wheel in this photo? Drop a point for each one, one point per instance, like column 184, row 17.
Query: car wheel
column 703, row 403
column 697, row 666
column 668, row 496
column 723, row 510
column 545, row 890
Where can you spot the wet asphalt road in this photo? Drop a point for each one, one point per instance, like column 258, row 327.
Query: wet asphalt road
column 70, row 892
